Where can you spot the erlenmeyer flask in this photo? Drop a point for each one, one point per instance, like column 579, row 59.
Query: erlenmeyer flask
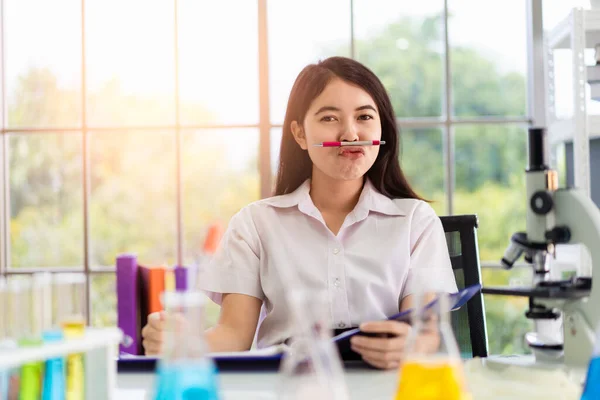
column 431, row 368
column 185, row 371
column 311, row 368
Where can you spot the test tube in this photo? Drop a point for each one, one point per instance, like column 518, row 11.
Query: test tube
column 25, row 302
column 53, row 387
column 42, row 301
column 69, row 300
column 5, row 346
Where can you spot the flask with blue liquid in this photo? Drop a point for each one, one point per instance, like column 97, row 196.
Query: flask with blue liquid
column 591, row 390
column 185, row 371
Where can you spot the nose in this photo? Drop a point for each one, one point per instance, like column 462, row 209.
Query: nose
column 349, row 132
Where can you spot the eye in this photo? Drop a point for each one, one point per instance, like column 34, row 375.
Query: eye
column 328, row 118
column 365, row 117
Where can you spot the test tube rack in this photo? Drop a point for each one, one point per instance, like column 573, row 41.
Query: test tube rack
column 100, row 348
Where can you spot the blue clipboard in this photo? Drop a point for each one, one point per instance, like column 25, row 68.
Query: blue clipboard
column 457, row 300
column 223, row 362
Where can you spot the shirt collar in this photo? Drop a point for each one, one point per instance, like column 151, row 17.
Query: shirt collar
column 370, row 200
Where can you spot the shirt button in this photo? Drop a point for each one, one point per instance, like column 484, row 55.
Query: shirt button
column 336, row 283
column 341, row 325
column 336, row 250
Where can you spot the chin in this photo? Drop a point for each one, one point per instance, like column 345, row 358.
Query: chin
column 348, row 175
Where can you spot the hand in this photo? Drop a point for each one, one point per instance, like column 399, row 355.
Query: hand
column 382, row 352
column 153, row 334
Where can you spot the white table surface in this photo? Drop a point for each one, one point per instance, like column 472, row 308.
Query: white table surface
column 362, row 384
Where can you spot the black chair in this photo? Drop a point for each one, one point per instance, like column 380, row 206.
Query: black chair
column 468, row 323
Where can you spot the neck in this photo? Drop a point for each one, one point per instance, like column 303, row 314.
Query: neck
column 334, row 195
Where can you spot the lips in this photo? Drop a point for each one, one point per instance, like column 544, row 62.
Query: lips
column 354, row 150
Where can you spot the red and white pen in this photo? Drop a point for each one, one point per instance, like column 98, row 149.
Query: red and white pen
column 342, row 144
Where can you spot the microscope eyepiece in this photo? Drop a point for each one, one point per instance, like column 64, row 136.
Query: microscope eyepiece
column 537, row 139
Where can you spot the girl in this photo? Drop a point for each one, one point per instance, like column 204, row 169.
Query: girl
column 344, row 218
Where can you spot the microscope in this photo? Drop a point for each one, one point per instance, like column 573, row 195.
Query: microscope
column 557, row 216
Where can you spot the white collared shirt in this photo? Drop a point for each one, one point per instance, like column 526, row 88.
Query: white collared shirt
column 385, row 250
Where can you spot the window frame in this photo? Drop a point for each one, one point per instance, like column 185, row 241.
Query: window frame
column 447, row 122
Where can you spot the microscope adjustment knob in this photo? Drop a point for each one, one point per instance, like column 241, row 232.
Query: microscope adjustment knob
column 559, row 234
column 541, row 202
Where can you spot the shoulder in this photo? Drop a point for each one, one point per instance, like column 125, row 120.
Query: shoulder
column 415, row 208
column 262, row 209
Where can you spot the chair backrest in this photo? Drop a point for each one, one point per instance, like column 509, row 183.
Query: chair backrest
column 468, row 323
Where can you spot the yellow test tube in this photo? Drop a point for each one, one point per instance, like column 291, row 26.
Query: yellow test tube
column 69, row 301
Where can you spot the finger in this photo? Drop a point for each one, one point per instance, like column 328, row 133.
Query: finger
column 395, row 356
column 382, row 364
column 379, row 344
column 157, row 320
column 396, row 328
column 152, row 347
column 153, row 335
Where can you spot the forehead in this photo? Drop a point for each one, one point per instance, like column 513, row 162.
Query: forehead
column 343, row 95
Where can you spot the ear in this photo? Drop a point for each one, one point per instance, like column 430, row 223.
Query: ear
column 299, row 135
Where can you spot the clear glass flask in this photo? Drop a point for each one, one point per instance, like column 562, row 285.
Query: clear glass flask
column 432, row 368
column 184, row 370
column 312, row 367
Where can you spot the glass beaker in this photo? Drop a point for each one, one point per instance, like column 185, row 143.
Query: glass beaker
column 185, row 371
column 431, row 368
column 311, row 368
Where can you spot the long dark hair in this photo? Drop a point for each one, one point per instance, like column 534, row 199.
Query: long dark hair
column 295, row 165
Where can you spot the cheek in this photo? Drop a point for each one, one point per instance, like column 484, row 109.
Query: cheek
column 317, row 133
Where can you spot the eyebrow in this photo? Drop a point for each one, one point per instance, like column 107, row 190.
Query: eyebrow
column 331, row 108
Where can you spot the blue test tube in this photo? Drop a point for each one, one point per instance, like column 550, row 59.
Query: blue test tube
column 53, row 387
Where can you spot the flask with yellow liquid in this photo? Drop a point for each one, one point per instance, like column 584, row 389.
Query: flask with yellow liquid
column 432, row 367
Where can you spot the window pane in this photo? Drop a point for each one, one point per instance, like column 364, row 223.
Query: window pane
column 404, row 47
column 133, row 199
column 221, row 89
column 423, row 163
column 488, row 61
column 505, row 315
column 220, row 176
column 275, row 140
column 490, row 182
column 43, row 65
column 300, row 33
column 130, row 61
column 46, row 212
column 103, row 298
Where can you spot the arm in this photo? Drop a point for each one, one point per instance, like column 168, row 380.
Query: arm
column 237, row 323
